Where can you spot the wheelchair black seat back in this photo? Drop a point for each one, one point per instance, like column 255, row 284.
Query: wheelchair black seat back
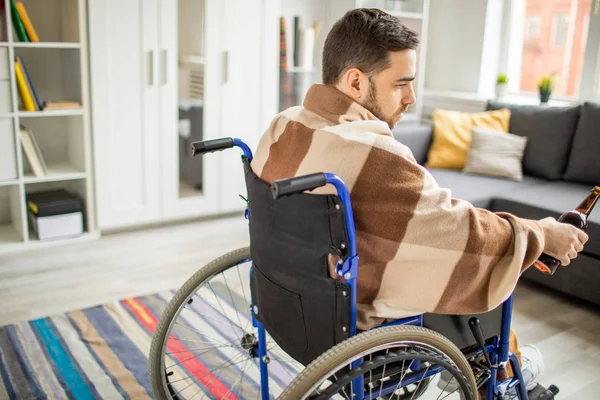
column 304, row 310
column 300, row 305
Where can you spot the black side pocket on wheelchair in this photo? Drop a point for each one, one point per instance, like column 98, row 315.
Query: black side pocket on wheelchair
column 304, row 318
column 280, row 310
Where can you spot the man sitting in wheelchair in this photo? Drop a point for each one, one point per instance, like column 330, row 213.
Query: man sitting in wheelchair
column 421, row 250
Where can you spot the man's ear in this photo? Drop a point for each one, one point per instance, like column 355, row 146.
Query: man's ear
column 354, row 83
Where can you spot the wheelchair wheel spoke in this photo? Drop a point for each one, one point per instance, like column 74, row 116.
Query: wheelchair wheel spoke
column 232, row 301
column 449, row 394
column 196, row 394
column 444, row 389
column 246, row 300
column 243, row 376
column 242, row 285
column 199, row 333
column 182, row 390
column 383, row 375
column 180, row 380
column 401, row 376
column 228, row 323
column 419, row 385
column 202, row 348
column 240, row 382
column 371, row 378
column 223, row 309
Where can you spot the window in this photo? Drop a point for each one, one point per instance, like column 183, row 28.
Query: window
column 550, row 37
column 533, row 26
column 560, row 25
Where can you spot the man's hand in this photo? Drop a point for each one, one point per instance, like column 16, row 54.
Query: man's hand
column 563, row 241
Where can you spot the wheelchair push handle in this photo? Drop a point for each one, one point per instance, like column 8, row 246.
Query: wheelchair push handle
column 287, row 187
column 209, row 146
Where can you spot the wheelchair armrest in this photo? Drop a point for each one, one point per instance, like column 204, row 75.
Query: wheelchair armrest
column 287, row 187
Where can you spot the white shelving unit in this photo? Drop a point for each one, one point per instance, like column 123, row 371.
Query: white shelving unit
column 58, row 68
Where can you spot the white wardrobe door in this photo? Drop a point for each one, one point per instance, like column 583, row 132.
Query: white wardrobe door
column 125, row 86
column 250, row 34
column 189, row 35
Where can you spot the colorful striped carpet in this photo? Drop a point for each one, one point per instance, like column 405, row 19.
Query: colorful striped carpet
column 99, row 352
column 96, row 353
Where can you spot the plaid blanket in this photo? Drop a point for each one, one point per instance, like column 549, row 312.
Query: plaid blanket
column 421, row 250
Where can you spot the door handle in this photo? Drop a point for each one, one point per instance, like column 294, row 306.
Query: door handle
column 150, row 68
column 225, row 66
column 163, row 66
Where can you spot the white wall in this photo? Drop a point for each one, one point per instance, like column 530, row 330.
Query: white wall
column 463, row 45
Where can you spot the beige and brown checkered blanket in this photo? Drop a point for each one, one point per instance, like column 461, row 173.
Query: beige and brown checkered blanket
column 420, row 249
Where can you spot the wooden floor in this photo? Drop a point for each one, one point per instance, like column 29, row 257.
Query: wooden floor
column 64, row 278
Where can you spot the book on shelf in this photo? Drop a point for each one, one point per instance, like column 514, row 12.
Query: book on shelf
column 22, row 13
column 32, row 152
column 30, row 87
column 18, row 23
column 283, row 63
column 60, row 105
column 25, row 90
column 24, row 29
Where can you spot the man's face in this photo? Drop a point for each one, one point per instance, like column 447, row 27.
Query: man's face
column 391, row 90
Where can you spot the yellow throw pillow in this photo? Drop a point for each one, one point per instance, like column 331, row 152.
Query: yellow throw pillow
column 452, row 134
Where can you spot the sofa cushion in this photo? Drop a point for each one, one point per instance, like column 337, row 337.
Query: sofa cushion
column 550, row 132
column 452, row 134
column 496, row 154
column 584, row 163
column 477, row 189
column 551, row 199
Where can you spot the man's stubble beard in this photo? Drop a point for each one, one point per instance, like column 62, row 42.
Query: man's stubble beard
column 373, row 106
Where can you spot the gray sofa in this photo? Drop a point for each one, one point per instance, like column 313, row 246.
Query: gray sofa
column 561, row 165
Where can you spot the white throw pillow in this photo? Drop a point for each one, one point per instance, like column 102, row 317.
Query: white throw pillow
column 496, row 154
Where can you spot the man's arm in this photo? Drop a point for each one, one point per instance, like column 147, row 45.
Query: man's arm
column 430, row 251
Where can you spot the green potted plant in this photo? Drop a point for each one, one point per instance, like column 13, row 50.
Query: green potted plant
column 545, row 85
column 501, row 85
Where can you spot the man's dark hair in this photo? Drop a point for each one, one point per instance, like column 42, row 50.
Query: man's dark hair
column 362, row 39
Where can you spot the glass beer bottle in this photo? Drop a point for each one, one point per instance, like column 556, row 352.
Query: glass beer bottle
column 577, row 217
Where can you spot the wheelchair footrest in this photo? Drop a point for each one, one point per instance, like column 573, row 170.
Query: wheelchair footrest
column 541, row 393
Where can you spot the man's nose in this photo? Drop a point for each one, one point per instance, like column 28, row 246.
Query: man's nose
column 409, row 98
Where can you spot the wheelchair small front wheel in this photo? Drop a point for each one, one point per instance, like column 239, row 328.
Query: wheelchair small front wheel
column 395, row 362
column 205, row 344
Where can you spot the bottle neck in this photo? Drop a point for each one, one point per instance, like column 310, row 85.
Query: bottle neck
column 588, row 204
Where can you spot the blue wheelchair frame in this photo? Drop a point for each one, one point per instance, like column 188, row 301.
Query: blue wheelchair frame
column 498, row 350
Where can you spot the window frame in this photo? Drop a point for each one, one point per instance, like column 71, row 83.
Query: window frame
column 554, row 29
column 533, row 21
column 513, row 35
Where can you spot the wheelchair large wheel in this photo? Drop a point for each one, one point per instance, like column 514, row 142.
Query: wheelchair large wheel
column 397, row 362
column 205, row 345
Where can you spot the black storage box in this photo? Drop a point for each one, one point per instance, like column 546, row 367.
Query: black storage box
column 55, row 214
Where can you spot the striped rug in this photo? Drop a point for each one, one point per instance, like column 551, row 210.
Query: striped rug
column 98, row 352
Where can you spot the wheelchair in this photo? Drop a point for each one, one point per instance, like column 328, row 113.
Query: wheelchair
column 269, row 321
